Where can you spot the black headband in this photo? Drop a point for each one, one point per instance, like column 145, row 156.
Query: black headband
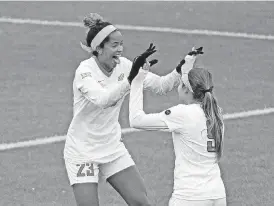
column 208, row 90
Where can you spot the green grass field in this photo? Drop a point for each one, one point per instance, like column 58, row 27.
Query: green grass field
column 37, row 66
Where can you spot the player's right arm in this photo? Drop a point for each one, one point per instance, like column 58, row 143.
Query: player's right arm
column 95, row 93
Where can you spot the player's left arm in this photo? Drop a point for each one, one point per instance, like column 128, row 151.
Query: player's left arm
column 153, row 82
column 162, row 84
column 137, row 117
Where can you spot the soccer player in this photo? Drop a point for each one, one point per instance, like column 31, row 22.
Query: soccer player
column 93, row 146
column 197, row 130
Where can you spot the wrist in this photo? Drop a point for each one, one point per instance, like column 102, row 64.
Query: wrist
column 129, row 81
column 143, row 71
column 178, row 70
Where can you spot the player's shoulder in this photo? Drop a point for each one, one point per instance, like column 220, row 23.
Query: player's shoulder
column 86, row 69
column 88, row 65
column 124, row 66
column 174, row 111
column 125, row 62
column 185, row 110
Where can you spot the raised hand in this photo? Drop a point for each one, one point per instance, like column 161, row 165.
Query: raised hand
column 194, row 52
column 139, row 62
column 149, row 64
column 141, row 59
column 152, row 62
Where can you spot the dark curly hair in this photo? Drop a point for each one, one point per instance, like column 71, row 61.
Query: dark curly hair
column 95, row 23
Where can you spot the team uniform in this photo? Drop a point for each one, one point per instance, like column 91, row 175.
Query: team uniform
column 197, row 178
column 93, row 145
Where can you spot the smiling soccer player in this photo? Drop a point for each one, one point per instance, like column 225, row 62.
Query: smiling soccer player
column 93, row 145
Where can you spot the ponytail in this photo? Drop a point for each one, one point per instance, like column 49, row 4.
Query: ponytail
column 201, row 82
column 215, row 126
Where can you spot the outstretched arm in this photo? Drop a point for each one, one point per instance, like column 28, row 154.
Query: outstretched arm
column 170, row 119
column 137, row 117
column 153, row 82
column 162, row 84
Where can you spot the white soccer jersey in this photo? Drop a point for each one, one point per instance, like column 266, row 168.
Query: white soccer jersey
column 94, row 133
column 196, row 173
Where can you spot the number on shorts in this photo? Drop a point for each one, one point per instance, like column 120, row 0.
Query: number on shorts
column 85, row 169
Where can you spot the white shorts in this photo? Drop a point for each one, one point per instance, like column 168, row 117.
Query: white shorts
column 214, row 202
column 90, row 172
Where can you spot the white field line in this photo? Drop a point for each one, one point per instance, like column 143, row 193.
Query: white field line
column 50, row 140
column 143, row 28
column 54, row 139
